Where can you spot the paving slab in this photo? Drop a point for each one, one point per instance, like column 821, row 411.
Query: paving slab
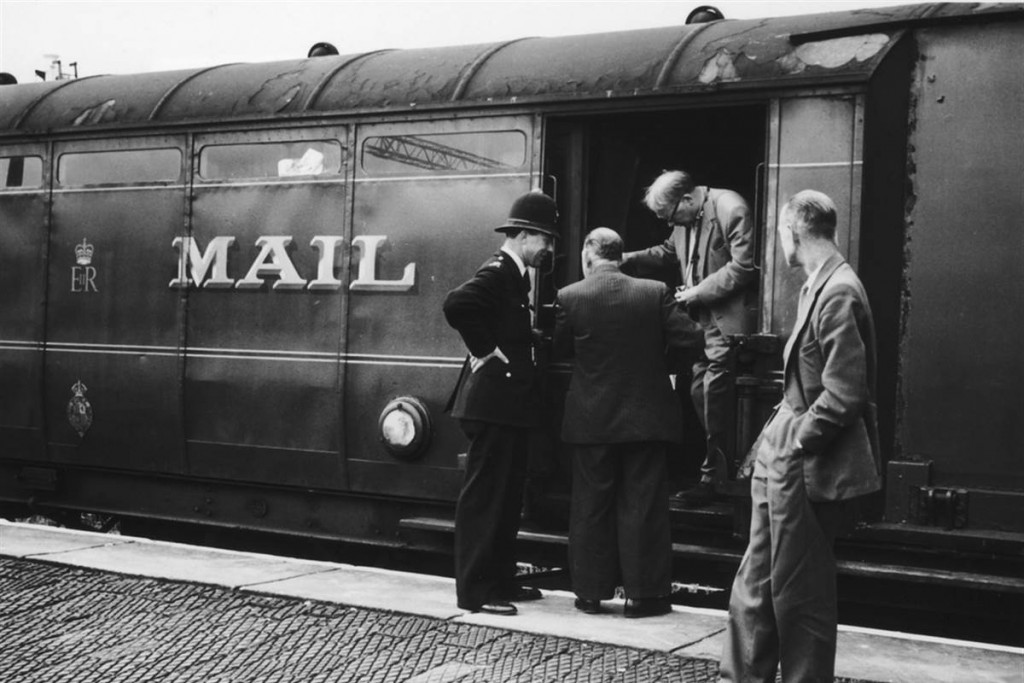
column 556, row 615
column 890, row 657
column 382, row 589
column 157, row 559
column 893, row 657
column 36, row 540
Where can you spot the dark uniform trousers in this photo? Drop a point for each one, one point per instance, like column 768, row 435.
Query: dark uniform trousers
column 496, row 407
column 618, row 489
column 785, row 589
column 488, row 510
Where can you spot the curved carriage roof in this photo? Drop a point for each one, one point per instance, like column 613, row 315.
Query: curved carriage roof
column 836, row 47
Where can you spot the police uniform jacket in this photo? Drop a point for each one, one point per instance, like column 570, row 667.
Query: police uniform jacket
column 828, row 411
column 723, row 269
column 619, row 328
column 490, row 310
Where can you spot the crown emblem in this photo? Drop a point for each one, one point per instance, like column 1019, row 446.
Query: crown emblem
column 79, row 409
column 83, row 253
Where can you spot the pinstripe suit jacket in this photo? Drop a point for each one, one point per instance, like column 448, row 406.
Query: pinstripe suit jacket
column 620, row 329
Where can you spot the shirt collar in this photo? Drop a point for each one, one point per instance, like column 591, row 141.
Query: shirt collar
column 606, row 266
column 810, row 278
column 518, row 261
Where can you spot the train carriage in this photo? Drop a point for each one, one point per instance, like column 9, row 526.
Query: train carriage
column 222, row 286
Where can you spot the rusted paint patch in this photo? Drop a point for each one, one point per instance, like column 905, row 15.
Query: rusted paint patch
column 100, row 113
column 720, row 67
column 833, row 53
column 274, row 102
column 278, row 92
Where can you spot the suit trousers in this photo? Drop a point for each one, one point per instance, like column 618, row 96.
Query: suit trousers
column 488, row 511
column 783, row 604
column 712, row 390
column 619, row 521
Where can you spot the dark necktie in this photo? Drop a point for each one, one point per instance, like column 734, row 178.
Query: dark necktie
column 695, row 252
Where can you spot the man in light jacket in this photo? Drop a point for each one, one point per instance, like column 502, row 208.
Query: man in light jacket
column 712, row 244
column 817, row 451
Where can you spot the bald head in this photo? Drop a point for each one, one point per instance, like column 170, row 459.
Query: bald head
column 601, row 245
column 604, row 243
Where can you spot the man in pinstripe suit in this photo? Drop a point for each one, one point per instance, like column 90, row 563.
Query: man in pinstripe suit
column 620, row 415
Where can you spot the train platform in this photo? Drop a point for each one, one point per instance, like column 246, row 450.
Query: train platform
column 82, row 607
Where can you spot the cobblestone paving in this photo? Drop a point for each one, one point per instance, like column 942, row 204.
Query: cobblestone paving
column 61, row 624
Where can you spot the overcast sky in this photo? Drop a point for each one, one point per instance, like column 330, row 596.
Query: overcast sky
column 154, row 35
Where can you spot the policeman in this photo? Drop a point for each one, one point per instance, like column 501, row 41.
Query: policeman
column 496, row 403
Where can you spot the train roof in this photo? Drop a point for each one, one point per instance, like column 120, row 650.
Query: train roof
column 828, row 48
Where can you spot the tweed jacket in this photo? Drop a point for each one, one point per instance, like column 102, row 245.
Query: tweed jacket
column 492, row 309
column 619, row 329
column 724, row 273
column 828, row 405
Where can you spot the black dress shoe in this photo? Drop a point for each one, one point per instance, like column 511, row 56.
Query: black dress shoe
column 522, row 594
column 701, row 495
column 646, row 607
column 499, row 607
column 588, row 606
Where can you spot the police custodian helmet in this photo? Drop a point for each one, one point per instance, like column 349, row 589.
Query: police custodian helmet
column 533, row 211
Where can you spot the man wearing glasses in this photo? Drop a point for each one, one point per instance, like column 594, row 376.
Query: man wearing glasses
column 712, row 242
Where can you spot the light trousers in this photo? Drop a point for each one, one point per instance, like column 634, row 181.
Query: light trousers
column 782, row 611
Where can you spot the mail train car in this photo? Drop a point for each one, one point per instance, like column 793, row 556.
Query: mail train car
column 222, row 287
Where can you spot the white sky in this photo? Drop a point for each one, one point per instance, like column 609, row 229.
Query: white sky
column 154, row 35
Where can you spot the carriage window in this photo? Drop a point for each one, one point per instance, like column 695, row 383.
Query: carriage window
column 492, row 151
column 125, row 166
column 270, row 160
column 20, row 172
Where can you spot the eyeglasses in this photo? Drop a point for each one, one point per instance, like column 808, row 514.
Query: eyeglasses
column 668, row 217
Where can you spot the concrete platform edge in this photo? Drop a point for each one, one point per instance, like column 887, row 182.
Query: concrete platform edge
column 866, row 654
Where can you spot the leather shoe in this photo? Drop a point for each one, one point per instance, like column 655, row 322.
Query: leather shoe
column 588, row 606
column 646, row 607
column 499, row 607
column 522, row 594
column 701, row 495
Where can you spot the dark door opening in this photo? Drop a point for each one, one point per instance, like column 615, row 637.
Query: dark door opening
column 598, row 168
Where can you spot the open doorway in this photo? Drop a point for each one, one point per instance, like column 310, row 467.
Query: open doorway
column 599, row 166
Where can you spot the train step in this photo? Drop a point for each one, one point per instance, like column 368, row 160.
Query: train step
column 893, row 572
